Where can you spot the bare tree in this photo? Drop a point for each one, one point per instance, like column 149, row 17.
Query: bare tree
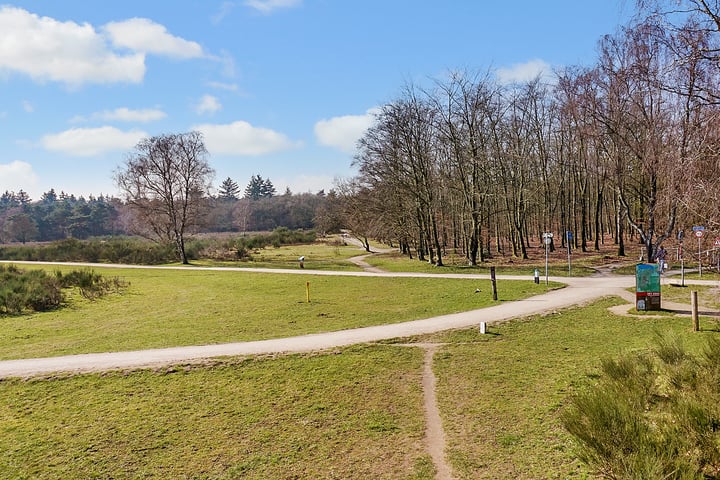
column 165, row 181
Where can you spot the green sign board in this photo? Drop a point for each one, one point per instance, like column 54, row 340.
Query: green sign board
column 647, row 287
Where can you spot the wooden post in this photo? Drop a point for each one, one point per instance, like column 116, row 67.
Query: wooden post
column 307, row 288
column 694, row 308
column 494, row 282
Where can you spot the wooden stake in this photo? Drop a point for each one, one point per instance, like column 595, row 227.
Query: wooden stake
column 494, row 283
column 694, row 308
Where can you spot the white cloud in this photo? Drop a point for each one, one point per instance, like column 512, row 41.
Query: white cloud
column 28, row 107
column 267, row 6
column 304, row 183
column 224, row 11
column 241, row 138
column 143, row 35
column 230, row 87
column 124, row 114
column 17, row 176
column 208, row 105
column 87, row 142
column 523, row 72
column 344, row 132
column 68, row 52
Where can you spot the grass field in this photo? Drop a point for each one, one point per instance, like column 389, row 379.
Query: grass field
column 163, row 308
column 353, row 413
column 325, row 254
column 394, row 262
column 350, row 413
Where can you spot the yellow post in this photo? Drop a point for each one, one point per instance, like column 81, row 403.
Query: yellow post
column 307, row 289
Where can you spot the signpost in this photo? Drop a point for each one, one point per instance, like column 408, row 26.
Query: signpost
column 680, row 236
column 647, row 287
column 547, row 238
column 699, row 230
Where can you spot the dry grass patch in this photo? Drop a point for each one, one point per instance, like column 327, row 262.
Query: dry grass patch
column 351, row 414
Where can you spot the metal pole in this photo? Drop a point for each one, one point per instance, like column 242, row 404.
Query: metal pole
column 699, row 258
column 682, row 271
column 546, row 260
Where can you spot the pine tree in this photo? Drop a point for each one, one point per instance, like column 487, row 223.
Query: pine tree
column 259, row 188
column 229, row 190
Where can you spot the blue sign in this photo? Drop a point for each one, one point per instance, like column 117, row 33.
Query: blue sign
column 569, row 235
column 698, row 228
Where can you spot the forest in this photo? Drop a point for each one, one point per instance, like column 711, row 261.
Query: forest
column 62, row 216
column 626, row 148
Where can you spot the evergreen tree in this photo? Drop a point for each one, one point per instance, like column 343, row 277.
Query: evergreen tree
column 229, row 190
column 259, row 188
column 50, row 196
column 268, row 189
column 23, row 198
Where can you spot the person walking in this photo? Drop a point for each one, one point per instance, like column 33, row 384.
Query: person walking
column 661, row 255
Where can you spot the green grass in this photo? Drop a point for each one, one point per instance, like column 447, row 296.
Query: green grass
column 501, row 393
column 707, row 295
column 394, row 262
column 326, row 255
column 164, row 308
column 354, row 414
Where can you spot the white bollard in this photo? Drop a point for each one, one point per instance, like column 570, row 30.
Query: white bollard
column 483, row 327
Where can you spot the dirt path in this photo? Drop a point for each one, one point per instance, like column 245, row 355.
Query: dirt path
column 434, row 433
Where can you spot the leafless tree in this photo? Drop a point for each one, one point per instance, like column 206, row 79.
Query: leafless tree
column 165, row 181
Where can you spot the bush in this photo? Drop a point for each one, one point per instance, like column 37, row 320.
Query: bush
column 279, row 237
column 143, row 252
column 91, row 285
column 36, row 290
column 653, row 415
column 113, row 250
column 32, row 290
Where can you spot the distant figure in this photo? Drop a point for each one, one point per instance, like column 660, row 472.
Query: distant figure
column 302, row 261
column 661, row 254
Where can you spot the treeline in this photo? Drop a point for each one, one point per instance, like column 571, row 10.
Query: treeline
column 56, row 217
column 626, row 148
column 64, row 216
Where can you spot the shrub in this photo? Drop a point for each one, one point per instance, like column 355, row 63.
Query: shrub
column 36, row 290
column 653, row 415
column 33, row 290
column 90, row 284
column 113, row 250
column 279, row 237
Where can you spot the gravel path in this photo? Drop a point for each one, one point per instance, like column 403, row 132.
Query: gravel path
column 578, row 291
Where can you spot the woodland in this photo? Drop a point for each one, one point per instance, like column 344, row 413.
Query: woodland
column 626, row 148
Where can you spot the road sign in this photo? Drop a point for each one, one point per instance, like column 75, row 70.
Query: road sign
column 698, row 228
column 698, row 233
column 717, row 242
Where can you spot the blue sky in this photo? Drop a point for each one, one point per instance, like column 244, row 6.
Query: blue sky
column 279, row 88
